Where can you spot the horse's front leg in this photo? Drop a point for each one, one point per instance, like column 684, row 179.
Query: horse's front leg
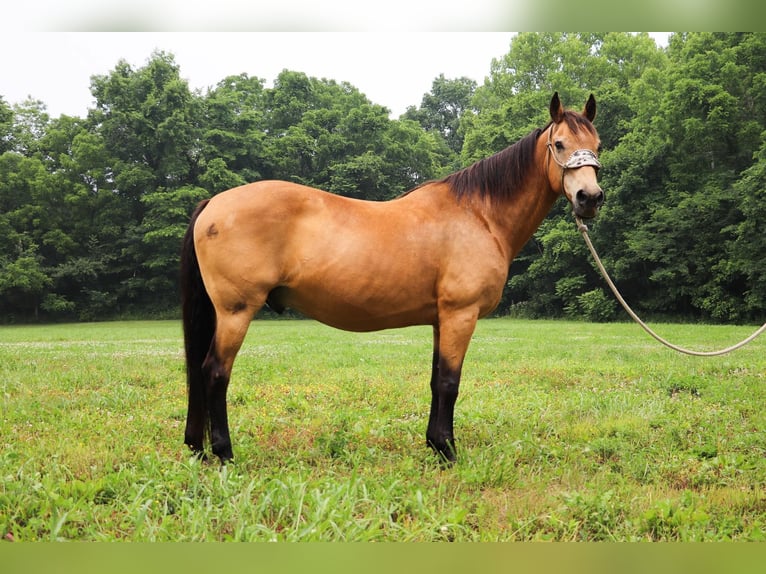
column 444, row 391
column 451, row 339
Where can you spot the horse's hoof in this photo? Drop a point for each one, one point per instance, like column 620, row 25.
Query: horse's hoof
column 446, row 453
column 198, row 453
column 224, row 453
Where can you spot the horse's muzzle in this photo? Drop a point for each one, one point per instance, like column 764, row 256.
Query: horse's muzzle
column 587, row 203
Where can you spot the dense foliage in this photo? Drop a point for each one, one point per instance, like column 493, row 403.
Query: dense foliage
column 92, row 209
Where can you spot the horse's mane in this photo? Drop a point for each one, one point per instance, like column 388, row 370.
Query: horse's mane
column 499, row 175
column 496, row 176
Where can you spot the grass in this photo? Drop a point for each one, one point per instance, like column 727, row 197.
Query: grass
column 566, row 431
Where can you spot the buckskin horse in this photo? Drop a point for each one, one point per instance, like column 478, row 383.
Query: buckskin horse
column 437, row 255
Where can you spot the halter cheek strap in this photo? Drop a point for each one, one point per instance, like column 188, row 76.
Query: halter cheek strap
column 579, row 158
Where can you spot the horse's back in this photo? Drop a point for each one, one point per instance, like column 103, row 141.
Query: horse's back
column 296, row 216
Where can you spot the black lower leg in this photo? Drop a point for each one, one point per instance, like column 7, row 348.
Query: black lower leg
column 444, row 392
column 196, row 416
column 220, row 440
column 434, row 414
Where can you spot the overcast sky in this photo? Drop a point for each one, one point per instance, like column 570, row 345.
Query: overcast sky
column 393, row 69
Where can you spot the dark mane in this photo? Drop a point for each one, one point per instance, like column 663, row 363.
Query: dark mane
column 499, row 175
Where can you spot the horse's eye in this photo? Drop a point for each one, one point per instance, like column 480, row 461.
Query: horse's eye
column 559, row 146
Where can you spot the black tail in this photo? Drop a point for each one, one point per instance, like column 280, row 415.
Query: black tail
column 199, row 330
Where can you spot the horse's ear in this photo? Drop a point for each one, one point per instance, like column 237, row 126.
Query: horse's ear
column 590, row 108
column 557, row 110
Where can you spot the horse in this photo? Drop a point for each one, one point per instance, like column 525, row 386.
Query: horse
column 437, row 255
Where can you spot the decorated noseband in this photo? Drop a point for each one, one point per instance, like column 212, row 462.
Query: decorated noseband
column 579, row 158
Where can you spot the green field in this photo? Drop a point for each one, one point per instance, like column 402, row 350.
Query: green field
column 566, row 431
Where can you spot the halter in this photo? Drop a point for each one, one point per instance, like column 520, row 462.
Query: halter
column 579, row 158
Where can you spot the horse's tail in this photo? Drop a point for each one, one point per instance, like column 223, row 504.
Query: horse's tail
column 199, row 330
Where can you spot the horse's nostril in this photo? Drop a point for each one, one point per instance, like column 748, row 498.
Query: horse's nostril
column 600, row 198
column 590, row 199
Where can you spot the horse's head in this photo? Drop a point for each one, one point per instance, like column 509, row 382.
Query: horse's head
column 572, row 148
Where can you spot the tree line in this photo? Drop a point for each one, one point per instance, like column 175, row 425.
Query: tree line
column 92, row 209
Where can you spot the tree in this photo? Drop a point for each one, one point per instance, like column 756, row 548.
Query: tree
column 443, row 107
column 680, row 200
column 233, row 133
column 88, row 222
column 167, row 216
column 342, row 142
column 23, row 223
column 749, row 244
column 148, row 121
column 30, row 120
column 6, row 126
column 22, row 282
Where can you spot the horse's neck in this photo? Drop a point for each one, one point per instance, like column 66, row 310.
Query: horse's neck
column 517, row 219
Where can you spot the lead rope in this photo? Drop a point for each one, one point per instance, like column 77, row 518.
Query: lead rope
column 582, row 228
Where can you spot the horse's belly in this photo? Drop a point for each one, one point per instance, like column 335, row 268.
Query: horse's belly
column 361, row 311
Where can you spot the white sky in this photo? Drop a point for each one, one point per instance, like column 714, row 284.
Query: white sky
column 393, row 69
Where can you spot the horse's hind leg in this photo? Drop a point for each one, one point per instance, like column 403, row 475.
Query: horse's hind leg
column 231, row 329
column 194, row 435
